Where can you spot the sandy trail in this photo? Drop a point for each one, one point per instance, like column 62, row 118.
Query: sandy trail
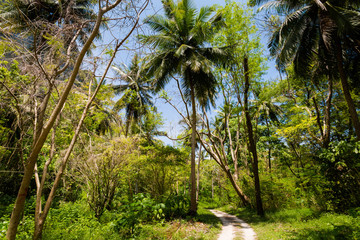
column 231, row 225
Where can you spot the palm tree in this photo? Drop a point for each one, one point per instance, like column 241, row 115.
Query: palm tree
column 136, row 91
column 181, row 40
column 42, row 17
column 318, row 31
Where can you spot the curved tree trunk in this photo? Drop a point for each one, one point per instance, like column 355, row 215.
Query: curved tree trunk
column 244, row 199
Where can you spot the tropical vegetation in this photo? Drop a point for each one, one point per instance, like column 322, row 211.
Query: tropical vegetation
column 270, row 134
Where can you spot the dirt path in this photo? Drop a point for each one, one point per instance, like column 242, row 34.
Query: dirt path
column 233, row 225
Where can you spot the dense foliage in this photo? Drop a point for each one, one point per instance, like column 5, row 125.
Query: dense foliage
column 86, row 129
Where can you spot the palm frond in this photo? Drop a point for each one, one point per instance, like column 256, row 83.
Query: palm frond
column 347, row 20
column 168, row 6
column 159, row 24
column 181, row 50
column 305, row 54
column 204, row 14
column 119, row 71
column 290, row 33
column 281, row 6
column 161, row 41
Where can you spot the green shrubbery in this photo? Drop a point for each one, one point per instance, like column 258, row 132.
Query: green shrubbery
column 77, row 221
column 176, row 205
column 142, row 209
column 26, row 226
column 139, row 218
column 303, row 223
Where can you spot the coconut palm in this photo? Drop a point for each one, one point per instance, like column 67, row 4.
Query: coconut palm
column 37, row 18
column 181, row 43
column 136, row 91
column 321, row 32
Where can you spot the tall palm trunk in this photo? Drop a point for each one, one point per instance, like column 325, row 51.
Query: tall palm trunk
column 269, row 150
column 327, row 123
column 198, row 175
column 252, row 144
column 346, row 89
column 327, row 23
column 193, row 205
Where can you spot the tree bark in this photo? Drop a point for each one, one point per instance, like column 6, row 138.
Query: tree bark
column 231, row 146
column 198, row 176
column 252, row 143
column 193, row 204
column 245, row 200
column 269, row 150
column 346, row 89
column 327, row 123
column 38, row 209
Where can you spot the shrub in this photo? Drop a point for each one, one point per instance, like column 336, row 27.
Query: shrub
column 176, row 205
column 142, row 209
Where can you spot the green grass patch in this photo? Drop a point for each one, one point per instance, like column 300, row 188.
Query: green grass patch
column 301, row 224
column 204, row 226
column 76, row 221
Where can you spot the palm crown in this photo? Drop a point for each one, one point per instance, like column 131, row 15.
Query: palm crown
column 318, row 33
column 181, row 39
column 136, row 91
column 181, row 42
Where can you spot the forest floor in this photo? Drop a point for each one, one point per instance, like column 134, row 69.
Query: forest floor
column 233, row 227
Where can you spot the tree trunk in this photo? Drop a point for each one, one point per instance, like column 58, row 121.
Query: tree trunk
column 29, row 170
column 185, row 186
column 327, row 123
column 38, row 209
column 193, row 204
column 269, row 150
column 39, row 224
column 212, row 185
column 231, row 146
column 198, row 176
column 245, row 200
column 177, row 187
column 20, row 200
column 252, row 143
column 346, row 89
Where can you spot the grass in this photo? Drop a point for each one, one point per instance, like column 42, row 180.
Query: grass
column 205, row 226
column 301, row 224
column 77, row 221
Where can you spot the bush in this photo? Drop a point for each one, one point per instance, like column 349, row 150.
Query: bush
column 176, row 205
column 77, row 221
column 340, row 167
column 142, row 209
column 25, row 228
